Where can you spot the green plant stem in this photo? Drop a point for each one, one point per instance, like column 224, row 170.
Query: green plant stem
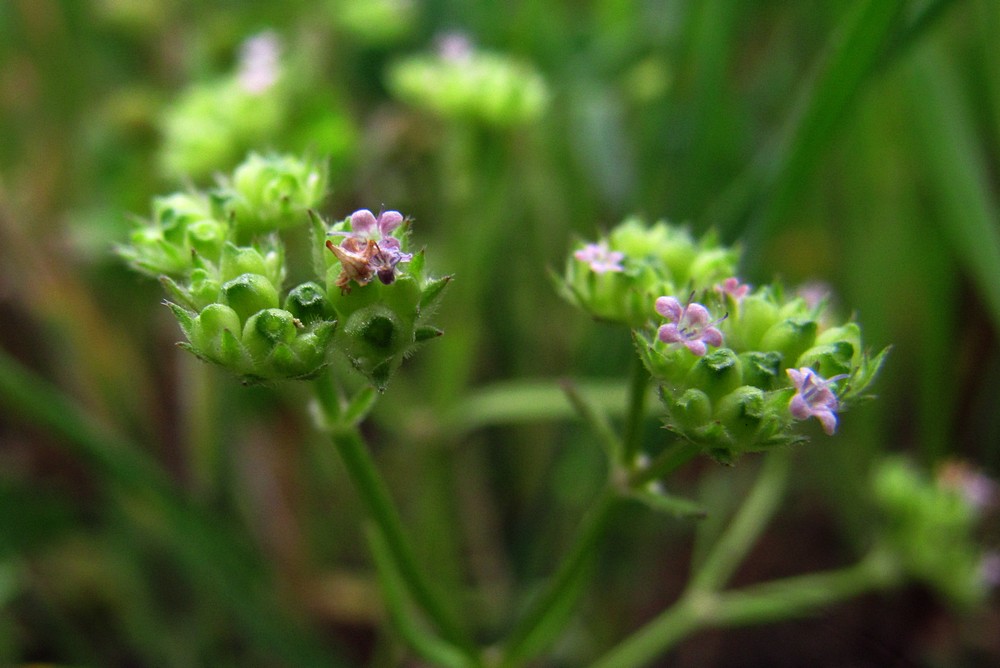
column 672, row 458
column 637, row 390
column 544, row 618
column 768, row 602
column 375, row 495
column 753, row 515
column 428, row 646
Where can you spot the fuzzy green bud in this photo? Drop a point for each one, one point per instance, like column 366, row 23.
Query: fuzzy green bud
column 249, row 293
column 271, row 193
column 308, row 303
column 790, row 337
column 266, row 330
column 716, row 374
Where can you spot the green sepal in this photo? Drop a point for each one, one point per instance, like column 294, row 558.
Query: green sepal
column 426, row 333
column 432, row 293
column 184, row 317
column 177, row 292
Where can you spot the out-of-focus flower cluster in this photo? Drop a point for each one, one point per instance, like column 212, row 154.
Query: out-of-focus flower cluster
column 461, row 82
column 738, row 369
column 267, row 100
column 931, row 526
column 223, row 263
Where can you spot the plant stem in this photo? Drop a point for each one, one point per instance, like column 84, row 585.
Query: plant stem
column 376, row 498
column 544, row 618
column 639, row 382
column 672, row 458
column 768, row 602
column 756, row 511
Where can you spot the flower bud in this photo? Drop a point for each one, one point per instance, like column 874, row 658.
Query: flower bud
column 790, row 337
column 239, row 260
column 308, row 303
column 271, row 193
column 718, row 373
column 248, row 294
column 266, row 330
column 374, row 339
column 761, row 369
column 207, row 332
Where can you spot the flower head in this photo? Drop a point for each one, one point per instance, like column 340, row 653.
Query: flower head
column 370, row 249
column 690, row 325
column 814, row 398
column 733, row 288
column 600, row 257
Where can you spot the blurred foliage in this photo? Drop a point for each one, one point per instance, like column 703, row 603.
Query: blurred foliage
column 154, row 512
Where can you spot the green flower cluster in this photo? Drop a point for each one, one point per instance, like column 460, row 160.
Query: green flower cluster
column 737, row 369
column 930, row 526
column 223, row 264
column 460, row 82
column 265, row 100
column 618, row 278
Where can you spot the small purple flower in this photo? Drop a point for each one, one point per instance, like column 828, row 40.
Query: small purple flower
column 386, row 252
column 600, row 258
column 733, row 288
column 690, row 325
column 260, row 65
column 814, row 398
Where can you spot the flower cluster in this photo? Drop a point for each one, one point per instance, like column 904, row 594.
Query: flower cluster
column 267, row 100
column 738, row 369
column 221, row 259
column 930, row 525
column 382, row 321
column 461, row 82
column 618, row 278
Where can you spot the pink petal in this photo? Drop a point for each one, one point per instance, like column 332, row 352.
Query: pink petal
column 797, row 377
column 828, row 419
column 669, row 334
column 712, row 336
column 363, row 222
column 388, row 221
column 697, row 315
column 669, row 308
column 696, row 347
column 799, row 409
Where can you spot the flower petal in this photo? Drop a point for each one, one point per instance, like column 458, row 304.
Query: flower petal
column 669, row 333
column 363, row 222
column 669, row 308
column 388, row 221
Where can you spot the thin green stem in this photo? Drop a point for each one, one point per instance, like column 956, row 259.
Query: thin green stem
column 637, row 392
column 756, row 511
column 547, row 615
column 375, row 495
column 428, row 646
column 767, row 602
column 596, row 420
column 675, row 455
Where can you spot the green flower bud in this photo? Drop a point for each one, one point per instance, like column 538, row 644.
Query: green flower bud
column 308, row 303
column 742, row 413
column 271, row 193
column 248, row 294
column 790, row 337
column 374, row 338
column 204, row 288
column 267, row 330
column 757, row 314
column 207, row 332
column 718, row 373
column 206, row 237
column 762, row 369
column 239, row 260
column 830, row 359
column 689, row 411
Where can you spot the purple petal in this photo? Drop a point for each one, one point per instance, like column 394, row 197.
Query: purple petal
column 828, row 419
column 798, row 407
column 696, row 315
column 363, row 222
column 797, row 377
column 712, row 336
column 669, row 334
column 388, row 221
column 669, row 308
column 696, row 347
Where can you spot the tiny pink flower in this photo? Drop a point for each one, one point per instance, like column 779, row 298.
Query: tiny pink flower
column 600, row 258
column 690, row 325
column 733, row 288
column 814, row 398
column 978, row 490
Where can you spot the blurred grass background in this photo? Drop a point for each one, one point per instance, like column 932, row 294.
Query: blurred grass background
column 154, row 512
